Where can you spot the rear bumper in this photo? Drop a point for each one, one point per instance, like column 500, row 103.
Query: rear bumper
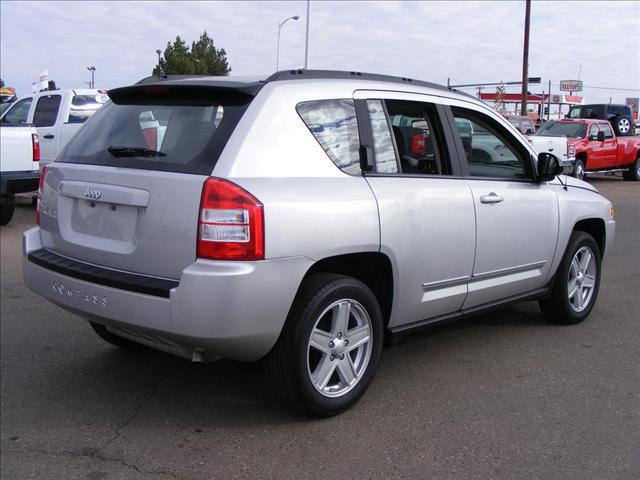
column 18, row 182
column 233, row 310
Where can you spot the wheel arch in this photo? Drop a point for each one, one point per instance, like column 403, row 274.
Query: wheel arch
column 374, row 269
column 596, row 228
column 582, row 156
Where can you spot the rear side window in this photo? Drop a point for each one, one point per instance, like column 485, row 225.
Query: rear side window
column 418, row 137
column 333, row 124
column 46, row 111
column 19, row 112
column 164, row 132
column 608, row 133
column 83, row 106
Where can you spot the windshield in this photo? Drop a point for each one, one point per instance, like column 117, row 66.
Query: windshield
column 563, row 129
column 167, row 137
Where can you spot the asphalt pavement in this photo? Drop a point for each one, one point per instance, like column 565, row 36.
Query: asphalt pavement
column 500, row 396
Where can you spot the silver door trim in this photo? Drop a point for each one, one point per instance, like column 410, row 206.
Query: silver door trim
column 445, row 283
column 509, row 270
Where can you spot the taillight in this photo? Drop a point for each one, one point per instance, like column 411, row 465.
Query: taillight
column 35, row 147
column 571, row 150
column 43, row 172
column 230, row 223
column 418, row 144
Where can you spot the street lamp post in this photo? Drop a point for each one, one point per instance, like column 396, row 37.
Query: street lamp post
column 92, row 69
column 306, row 43
column 295, row 17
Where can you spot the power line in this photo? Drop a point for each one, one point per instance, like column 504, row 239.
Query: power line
column 612, row 88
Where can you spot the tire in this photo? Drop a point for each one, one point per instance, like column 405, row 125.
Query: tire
column 633, row 173
column 578, row 169
column 623, row 126
column 579, row 271
column 313, row 367
column 6, row 211
column 115, row 340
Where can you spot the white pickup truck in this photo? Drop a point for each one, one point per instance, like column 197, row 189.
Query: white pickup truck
column 19, row 168
column 57, row 116
column 559, row 146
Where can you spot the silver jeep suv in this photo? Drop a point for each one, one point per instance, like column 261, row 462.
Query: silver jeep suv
column 305, row 218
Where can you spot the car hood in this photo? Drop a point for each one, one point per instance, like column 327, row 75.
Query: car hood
column 562, row 180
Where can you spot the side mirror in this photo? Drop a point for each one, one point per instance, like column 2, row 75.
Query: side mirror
column 548, row 167
column 600, row 136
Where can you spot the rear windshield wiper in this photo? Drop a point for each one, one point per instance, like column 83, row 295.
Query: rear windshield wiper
column 134, row 152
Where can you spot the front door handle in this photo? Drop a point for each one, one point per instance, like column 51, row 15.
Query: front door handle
column 48, row 135
column 491, row 198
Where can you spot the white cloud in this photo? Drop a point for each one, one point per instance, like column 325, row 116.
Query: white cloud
column 466, row 41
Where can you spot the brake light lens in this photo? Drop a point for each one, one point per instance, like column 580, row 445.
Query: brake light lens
column 35, row 147
column 230, row 223
column 418, row 145
column 571, row 150
column 43, row 172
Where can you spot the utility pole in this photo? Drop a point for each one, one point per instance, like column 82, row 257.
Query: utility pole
column 549, row 103
column 525, row 59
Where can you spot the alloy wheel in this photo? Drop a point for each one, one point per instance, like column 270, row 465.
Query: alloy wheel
column 582, row 279
column 339, row 348
column 624, row 125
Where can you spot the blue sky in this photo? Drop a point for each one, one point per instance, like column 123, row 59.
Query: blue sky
column 467, row 41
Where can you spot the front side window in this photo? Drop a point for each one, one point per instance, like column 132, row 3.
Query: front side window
column 333, row 124
column 19, row 112
column 489, row 150
column 593, row 132
column 47, row 111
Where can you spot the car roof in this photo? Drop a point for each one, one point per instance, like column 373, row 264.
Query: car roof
column 251, row 85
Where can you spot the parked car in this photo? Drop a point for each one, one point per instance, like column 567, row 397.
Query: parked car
column 523, row 124
column 295, row 231
column 19, row 168
column 57, row 116
column 620, row 116
column 597, row 148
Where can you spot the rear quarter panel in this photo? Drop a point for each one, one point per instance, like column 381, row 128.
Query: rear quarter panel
column 628, row 148
column 312, row 208
column 16, row 148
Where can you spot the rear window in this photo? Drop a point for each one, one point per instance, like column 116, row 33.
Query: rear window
column 83, row 106
column 161, row 132
column 561, row 129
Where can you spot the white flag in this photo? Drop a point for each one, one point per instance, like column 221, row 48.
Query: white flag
column 41, row 82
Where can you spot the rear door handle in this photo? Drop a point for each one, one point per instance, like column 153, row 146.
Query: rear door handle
column 491, row 198
column 48, row 135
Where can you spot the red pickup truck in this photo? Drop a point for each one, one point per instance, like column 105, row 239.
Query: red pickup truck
column 597, row 148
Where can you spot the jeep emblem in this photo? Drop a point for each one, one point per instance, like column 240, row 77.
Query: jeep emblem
column 91, row 192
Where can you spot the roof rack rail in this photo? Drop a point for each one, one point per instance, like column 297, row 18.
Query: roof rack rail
column 301, row 74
